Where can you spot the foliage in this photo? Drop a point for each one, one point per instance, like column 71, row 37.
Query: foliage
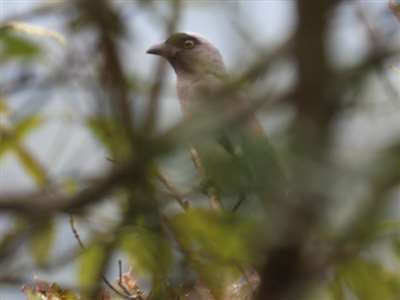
column 283, row 217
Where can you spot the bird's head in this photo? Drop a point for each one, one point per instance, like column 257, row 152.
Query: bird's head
column 190, row 54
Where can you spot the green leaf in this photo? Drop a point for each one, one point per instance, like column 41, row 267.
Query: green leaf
column 368, row 280
column 149, row 252
column 224, row 236
column 12, row 141
column 15, row 47
column 111, row 135
column 31, row 165
column 3, row 106
column 13, row 136
column 70, row 185
column 396, row 247
column 250, row 162
column 34, row 30
column 57, row 292
column 42, row 240
column 215, row 243
column 91, row 266
column 18, row 227
column 6, row 142
column 102, row 130
column 336, row 289
column 27, row 124
column 31, row 294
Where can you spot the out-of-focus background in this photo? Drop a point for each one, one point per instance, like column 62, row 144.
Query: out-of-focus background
column 212, row 19
column 55, row 92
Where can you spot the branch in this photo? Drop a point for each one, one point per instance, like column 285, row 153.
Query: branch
column 44, row 203
column 174, row 192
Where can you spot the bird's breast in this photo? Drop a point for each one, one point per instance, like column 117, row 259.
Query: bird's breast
column 189, row 91
column 195, row 92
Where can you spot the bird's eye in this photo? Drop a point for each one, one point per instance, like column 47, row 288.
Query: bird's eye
column 188, row 44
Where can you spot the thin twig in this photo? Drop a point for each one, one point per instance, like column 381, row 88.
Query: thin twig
column 377, row 47
column 213, row 196
column 120, row 270
column 75, row 232
column 81, row 244
column 242, row 198
column 120, row 283
column 174, row 192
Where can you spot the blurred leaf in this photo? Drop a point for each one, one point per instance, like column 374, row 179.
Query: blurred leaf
column 56, row 291
column 42, row 240
column 149, row 252
column 12, row 46
column 224, row 236
column 26, row 125
column 337, row 290
column 388, row 228
column 10, row 239
column 4, row 142
column 31, row 294
column 102, row 130
column 367, row 280
column 216, row 244
column 3, row 106
column 108, row 133
column 15, row 46
column 34, row 30
column 12, row 141
column 70, row 185
column 12, row 136
column 251, row 163
column 91, row 265
column 396, row 247
column 31, row 165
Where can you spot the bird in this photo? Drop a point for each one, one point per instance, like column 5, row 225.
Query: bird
column 238, row 159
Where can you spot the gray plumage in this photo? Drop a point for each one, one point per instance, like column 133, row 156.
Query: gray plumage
column 200, row 69
column 200, row 72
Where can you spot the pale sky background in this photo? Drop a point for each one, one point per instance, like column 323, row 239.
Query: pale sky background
column 270, row 21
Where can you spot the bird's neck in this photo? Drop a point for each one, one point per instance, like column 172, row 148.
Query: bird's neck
column 197, row 71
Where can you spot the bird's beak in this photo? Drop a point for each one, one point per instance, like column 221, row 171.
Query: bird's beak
column 159, row 49
column 163, row 50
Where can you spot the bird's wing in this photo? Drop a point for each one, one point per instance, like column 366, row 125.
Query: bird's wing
column 249, row 144
column 244, row 121
column 251, row 158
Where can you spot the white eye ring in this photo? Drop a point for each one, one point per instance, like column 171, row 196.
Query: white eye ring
column 188, row 44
